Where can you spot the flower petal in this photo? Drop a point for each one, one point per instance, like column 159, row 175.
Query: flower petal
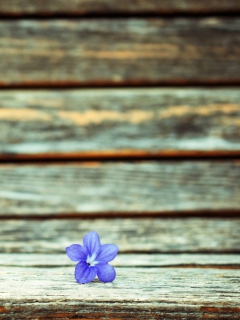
column 92, row 243
column 84, row 273
column 106, row 273
column 107, row 253
column 76, row 252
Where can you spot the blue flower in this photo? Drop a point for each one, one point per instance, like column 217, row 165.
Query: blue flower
column 93, row 259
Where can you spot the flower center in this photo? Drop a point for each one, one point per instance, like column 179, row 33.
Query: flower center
column 91, row 260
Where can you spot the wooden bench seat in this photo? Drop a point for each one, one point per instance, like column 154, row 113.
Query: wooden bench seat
column 152, row 282
column 174, row 268
column 137, row 293
column 121, row 117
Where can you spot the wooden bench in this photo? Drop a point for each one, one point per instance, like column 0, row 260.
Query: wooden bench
column 121, row 117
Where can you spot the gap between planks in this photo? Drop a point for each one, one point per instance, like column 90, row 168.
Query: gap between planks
column 117, row 15
column 206, row 214
column 65, row 86
column 136, row 83
column 124, row 155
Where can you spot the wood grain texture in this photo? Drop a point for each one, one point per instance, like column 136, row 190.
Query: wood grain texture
column 136, row 293
column 146, row 235
column 119, row 188
column 119, row 121
column 119, row 51
column 126, row 260
column 85, row 7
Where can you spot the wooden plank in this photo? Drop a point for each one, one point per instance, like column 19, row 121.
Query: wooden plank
column 118, row 122
column 119, row 51
column 86, row 7
column 136, row 293
column 126, row 260
column 113, row 189
column 146, row 235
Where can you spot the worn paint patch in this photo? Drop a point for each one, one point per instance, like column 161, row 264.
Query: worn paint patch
column 213, row 108
column 47, row 103
column 136, row 51
column 145, row 51
column 179, row 111
column 96, row 117
column 21, row 43
column 23, row 115
column 231, row 121
column 38, row 52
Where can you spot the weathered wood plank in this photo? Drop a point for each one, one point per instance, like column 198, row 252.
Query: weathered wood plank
column 85, row 7
column 119, row 51
column 126, row 260
column 146, row 235
column 82, row 7
column 136, row 293
column 119, row 121
column 119, row 188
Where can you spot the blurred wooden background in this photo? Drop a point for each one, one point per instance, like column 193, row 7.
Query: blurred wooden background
column 121, row 117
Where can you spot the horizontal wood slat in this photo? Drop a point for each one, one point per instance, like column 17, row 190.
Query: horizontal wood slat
column 119, row 51
column 144, row 235
column 84, row 7
column 119, row 121
column 119, row 188
column 126, row 260
column 142, row 293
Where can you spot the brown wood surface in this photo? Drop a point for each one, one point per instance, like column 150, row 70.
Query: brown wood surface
column 146, row 235
column 85, row 7
column 136, row 293
column 119, row 121
column 119, row 51
column 119, row 188
column 224, row 261
column 177, row 223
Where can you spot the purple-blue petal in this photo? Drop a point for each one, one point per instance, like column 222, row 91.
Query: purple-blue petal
column 76, row 252
column 106, row 273
column 107, row 253
column 91, row 242
column 84, row 273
